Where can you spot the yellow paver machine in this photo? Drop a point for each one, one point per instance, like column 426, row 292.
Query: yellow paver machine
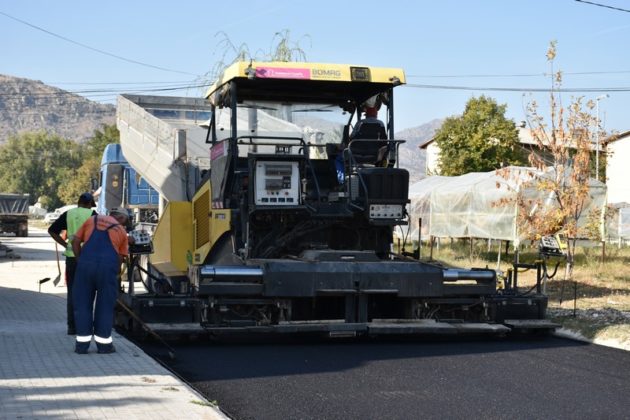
column 279, row 202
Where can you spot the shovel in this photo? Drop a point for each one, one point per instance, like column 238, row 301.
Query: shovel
column 58, row 278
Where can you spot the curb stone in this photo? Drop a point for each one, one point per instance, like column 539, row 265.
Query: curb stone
column 576, row 336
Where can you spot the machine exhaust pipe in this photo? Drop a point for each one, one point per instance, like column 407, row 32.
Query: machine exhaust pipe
column 230, row 273
column 481, row 276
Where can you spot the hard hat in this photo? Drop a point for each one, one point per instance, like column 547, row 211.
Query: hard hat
column 372, row 102
column 118, row 210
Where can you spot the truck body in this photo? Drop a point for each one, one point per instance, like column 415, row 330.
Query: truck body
column 281, row 220
column 14, row 214
column 121, row 186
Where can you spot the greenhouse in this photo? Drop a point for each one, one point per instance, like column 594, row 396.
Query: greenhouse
column 483, row 204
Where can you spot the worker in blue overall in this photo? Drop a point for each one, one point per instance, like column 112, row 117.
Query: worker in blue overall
column 105, row 244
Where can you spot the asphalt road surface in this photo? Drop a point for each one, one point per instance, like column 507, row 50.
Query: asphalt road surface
column 298, row 379
column 550, row 378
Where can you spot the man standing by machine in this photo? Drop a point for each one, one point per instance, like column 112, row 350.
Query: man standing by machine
column 370, row 127
column 105, row 244
column 71, row 221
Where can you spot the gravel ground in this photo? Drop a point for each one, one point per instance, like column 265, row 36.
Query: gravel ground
column 605, row 326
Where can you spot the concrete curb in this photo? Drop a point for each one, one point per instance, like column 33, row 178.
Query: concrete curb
column 576, row 336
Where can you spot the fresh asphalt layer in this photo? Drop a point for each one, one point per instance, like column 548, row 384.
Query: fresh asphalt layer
column 551, row 378
column 544, row 378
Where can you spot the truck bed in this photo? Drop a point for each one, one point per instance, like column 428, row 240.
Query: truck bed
column 162, row 138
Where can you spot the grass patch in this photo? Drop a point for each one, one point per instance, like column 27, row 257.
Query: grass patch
column 205, row 403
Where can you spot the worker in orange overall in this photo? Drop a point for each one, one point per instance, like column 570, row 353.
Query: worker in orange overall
column 105, row 244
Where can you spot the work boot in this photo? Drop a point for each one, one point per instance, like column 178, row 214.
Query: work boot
column 81, row 348
column 106, row 349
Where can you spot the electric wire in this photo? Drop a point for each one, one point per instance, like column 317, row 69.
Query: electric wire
column 80, row 44
column 62, row 92
column 173, row 82
column 462, row 76
column 603, row 5
column 515, row 89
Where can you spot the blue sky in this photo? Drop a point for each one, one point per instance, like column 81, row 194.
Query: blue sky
column 495, row 38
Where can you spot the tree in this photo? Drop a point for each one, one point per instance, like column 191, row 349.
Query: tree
column 94, row 146
column 480, row 140
column 91, row 153
column 38, row 164
column 565, row 142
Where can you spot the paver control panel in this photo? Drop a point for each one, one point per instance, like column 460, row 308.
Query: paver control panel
column 277, row 183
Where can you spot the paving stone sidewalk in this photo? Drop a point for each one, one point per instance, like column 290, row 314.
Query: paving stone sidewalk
column 41, row 376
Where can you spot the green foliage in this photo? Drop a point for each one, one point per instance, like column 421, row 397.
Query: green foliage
column 480, row 140
column 52, row 169
column 93, row 148
column 38, row 164
column 92, row 152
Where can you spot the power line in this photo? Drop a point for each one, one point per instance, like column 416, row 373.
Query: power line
column 513, row 89
column 97, row 92
column 455, row 76
column 603, row 5
column 119, row 83
column 92, row 48
column 446, row 76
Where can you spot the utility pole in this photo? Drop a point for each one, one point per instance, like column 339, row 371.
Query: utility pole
column 599, row 98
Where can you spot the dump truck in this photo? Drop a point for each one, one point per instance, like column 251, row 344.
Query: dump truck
column 14, row 214
column 279, row 217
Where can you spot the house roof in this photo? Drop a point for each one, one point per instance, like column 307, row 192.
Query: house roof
column 616, row 137
column 426, row 143
column 524, row 137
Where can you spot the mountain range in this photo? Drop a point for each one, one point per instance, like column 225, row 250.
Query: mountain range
column 30, row 105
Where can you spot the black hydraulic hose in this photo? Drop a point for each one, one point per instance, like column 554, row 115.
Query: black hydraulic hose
column 554, row 271
column 151, row 276
column 527, row 292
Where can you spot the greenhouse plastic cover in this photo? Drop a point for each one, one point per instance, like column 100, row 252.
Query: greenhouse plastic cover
column 481, row 204
column 618, row 226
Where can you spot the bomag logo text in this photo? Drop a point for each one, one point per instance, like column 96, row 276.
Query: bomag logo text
column 326, row 73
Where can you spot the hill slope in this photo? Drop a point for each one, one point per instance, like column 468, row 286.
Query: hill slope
column 30, row 105
column 411, row 157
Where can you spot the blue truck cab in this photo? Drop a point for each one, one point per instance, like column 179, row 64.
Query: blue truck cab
column 121, row 186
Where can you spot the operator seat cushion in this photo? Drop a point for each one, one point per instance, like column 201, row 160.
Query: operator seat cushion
column 370, row 130
column 369, row 151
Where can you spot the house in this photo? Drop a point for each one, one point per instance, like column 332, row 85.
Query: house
column 525, row 138
column 527, row 142
column 617, row 150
